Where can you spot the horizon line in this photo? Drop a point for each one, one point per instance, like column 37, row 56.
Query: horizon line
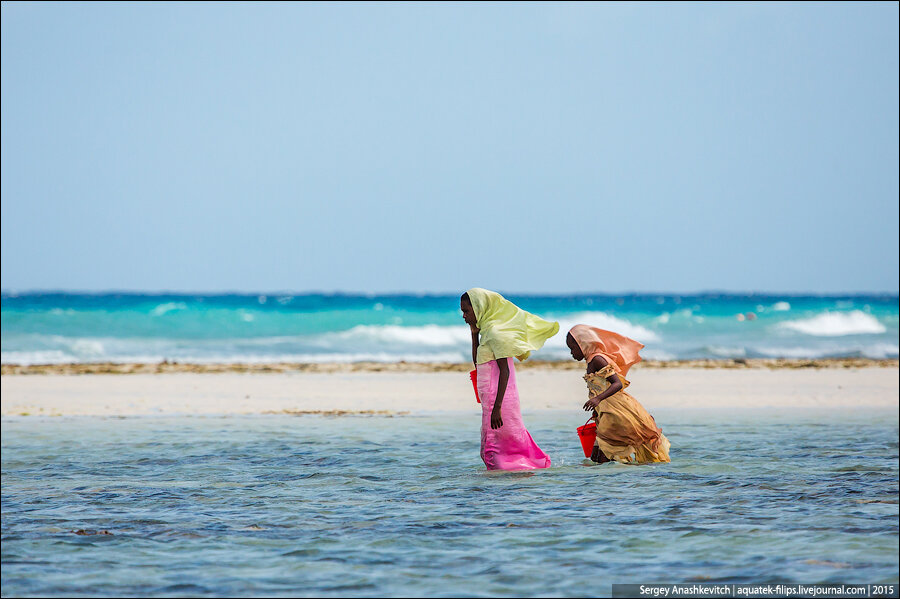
column 338, row 292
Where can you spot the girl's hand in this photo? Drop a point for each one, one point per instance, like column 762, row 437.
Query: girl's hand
column 591, row 404
column 496, row 420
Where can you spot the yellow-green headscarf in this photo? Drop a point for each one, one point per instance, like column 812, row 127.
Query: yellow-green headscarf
column 505, row 329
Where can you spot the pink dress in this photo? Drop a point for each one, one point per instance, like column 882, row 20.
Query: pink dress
column 509, row 447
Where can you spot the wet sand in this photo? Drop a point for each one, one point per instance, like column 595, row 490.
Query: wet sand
column 388, row 389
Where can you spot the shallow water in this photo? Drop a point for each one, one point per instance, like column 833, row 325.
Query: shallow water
column 281, row 505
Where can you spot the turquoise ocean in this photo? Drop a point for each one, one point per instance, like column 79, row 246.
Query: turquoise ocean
column 265, row 327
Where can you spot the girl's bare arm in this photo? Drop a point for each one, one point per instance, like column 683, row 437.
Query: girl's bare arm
column 496, row 420
column 615, row 383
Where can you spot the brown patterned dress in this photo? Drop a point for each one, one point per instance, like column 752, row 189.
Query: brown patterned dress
column 626, row 432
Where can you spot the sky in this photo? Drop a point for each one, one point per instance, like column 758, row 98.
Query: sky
column 402, row 147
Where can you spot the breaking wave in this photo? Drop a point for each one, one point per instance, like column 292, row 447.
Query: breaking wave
column 835, row 324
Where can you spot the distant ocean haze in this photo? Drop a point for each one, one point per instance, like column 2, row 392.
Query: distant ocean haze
column 40, row 328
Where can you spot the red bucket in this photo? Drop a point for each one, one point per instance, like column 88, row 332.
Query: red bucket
column 473, row 374
column 587, row 434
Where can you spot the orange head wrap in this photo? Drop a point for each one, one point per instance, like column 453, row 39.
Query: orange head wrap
column 620, row 351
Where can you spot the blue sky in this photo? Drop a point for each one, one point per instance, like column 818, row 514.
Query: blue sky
column 544, row 148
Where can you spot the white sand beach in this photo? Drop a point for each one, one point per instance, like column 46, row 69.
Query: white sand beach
column 396, row 392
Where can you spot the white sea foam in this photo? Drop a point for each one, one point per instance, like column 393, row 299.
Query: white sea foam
column 881, row 351
column 430, row 335
column 340, row 358
column 726, row 352
column 877, row 351
column 307, row 358
column 604, row 321
column 88, row 348
column 834, row 324
column 168, row 307
column 27, row 358
column 657, row 354
column 794, row 352
column 781, row 306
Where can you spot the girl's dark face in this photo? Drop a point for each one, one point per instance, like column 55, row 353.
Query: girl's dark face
column 468, row 312
column 577, row 354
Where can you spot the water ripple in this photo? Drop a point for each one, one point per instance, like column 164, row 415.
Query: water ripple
column 278, row 505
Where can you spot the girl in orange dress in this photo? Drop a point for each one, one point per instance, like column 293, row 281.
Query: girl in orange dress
column 626, row 432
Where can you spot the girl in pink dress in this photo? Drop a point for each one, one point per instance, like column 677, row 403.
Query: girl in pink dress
column 501, row 330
